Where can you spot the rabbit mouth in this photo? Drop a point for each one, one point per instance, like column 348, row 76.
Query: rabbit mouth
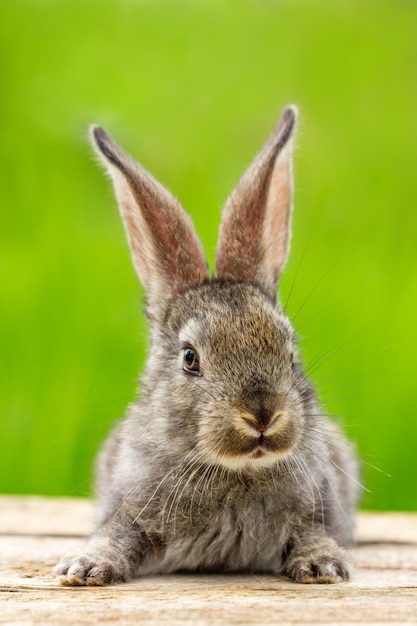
column 261, row 447
column 258, row 453
column 266, row 447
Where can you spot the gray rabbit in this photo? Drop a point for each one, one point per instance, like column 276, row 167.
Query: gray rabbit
column 226, row 463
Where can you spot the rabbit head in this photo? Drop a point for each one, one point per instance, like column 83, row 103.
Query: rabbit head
column 221, row 374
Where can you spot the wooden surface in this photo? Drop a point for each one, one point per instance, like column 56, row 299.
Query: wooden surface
column 34, row 532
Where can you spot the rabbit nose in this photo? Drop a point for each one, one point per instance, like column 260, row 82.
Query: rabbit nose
column 261, row 423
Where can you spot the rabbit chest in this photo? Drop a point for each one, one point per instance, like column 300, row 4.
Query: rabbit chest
column 234, row 527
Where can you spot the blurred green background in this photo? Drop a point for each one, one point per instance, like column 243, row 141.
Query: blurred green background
column 192, row 89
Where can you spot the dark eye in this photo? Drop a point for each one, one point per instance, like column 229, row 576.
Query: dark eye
column 190, row 363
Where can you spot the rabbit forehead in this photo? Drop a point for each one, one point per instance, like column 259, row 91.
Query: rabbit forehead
column 245, row 316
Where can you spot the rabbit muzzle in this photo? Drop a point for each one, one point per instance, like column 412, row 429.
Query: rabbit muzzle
column 276, row 435
column 245, row 440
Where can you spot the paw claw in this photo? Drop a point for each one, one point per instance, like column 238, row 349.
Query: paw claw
column 85, row 570
column 323, row 569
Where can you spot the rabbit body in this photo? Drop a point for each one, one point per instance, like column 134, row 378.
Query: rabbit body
column 226, row 463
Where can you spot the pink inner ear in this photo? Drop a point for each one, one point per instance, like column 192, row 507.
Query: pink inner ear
column 166, row 252
column 239, row 248
column 175, row 258
column 182, row 257
column 254, row 235
column 278, row 216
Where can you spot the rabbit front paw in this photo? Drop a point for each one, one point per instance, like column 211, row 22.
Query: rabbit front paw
column 89, row 569
column 316, row 566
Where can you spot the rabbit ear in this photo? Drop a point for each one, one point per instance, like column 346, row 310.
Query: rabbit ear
column 254, row 234
column 166, row 252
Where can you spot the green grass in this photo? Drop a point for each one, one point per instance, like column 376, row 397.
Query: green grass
column 192, row 89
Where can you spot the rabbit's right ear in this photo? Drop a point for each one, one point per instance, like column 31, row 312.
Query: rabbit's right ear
column 166, row 252
column 255, row 232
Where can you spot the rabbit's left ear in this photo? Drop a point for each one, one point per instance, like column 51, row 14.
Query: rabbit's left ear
column 255, row 232
column 166, row 252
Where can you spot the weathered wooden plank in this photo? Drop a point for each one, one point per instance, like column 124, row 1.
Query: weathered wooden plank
column 53, row 516
column 34, row 532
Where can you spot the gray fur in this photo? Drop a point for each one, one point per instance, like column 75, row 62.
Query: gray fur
column 232, row 466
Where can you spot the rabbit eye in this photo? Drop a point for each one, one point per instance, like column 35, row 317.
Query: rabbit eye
column 191, row 363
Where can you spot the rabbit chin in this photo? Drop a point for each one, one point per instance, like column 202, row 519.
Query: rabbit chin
column 256, row 459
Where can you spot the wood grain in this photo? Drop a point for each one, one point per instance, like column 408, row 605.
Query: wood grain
column 34, row 532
